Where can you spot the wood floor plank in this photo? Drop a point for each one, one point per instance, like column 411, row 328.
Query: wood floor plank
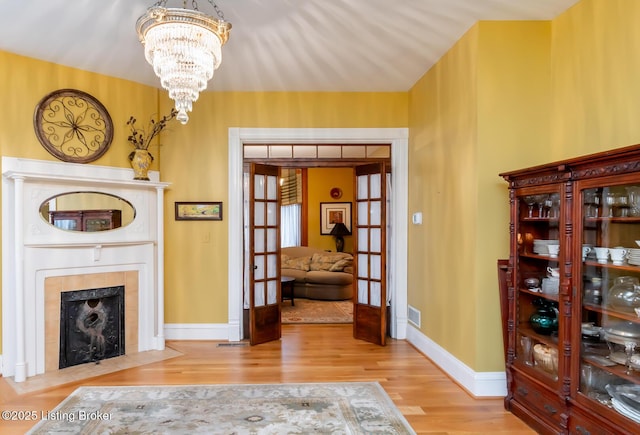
column 431, row 402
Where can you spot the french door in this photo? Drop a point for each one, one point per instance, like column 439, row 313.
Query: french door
column 264, row 254
column 370, row 302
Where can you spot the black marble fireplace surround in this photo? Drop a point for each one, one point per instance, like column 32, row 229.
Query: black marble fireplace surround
column 91, row 325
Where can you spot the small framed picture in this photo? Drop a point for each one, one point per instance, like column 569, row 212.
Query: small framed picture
column 333, row 212
column 198, row 211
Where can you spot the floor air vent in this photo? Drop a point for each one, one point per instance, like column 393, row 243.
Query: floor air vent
column 414, row 316
column 235, row 344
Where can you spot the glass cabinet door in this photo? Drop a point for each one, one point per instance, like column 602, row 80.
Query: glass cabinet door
column 609, row 305
column 537, row 282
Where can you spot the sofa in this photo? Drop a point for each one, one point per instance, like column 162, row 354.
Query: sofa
column 318, row 274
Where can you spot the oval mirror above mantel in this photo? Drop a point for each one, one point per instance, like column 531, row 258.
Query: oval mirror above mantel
column 87, row 211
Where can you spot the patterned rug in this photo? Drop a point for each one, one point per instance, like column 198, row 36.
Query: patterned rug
column 339, row 408
column 312, row 311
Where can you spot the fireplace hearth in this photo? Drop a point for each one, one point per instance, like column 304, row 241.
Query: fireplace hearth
column 91, row 325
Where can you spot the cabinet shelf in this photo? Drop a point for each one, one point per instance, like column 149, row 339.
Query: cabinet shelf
column 618, row 370
column 618, row 220
column 538, row 257
column 547, row 296
column 536, row 219
column 611, row 312
column 549, row 340
column 609, row 265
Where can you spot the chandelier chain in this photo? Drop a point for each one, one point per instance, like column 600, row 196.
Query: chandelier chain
column 217, row 9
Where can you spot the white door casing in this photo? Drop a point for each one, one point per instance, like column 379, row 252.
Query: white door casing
column 397, row 264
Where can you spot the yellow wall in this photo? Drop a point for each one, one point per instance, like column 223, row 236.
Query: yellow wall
column 442, row 185
column 514, row 86
column 321, row 181
column 195, row 160
column 596, row 78
column 25, row 81
column 468, row 119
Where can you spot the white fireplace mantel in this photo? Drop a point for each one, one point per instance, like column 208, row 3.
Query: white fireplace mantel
column 33, row 250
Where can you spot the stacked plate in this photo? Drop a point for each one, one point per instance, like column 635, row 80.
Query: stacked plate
column 540, row 246
column 634, row 256
column 625, row 399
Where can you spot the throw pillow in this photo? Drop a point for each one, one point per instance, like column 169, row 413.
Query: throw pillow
column 298, row 263
column 327, row 262
column 339, row 265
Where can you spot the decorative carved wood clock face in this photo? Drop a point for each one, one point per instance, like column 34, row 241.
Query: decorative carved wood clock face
column 73, row 126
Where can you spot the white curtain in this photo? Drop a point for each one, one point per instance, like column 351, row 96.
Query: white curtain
column 290, row 216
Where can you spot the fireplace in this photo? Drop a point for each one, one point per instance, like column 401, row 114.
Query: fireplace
column 91, row 325
column 41, row 262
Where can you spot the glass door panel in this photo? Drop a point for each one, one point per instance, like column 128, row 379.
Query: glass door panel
column 609, row 364
column 370, row 308
column 263, row 255
column 538, row 321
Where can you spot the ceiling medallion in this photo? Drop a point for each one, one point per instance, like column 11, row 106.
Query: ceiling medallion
column 184, row 47
column 73, row 126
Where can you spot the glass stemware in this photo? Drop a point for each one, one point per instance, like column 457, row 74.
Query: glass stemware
column 530, row 200
column 591, row 202
column 622, row 205
column 540, row 201
column 633, row 192
column 527, row 350
column 547, row 207
column 610, row 200
column 555, row 205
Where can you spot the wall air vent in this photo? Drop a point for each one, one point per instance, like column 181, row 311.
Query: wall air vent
column 414, row 316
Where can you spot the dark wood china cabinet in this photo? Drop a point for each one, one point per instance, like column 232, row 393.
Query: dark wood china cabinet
column 573, row 294
column 86, row 220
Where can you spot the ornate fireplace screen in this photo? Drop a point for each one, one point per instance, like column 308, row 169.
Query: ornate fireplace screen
column 91, row 325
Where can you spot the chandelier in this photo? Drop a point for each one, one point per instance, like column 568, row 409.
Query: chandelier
column 184, row 46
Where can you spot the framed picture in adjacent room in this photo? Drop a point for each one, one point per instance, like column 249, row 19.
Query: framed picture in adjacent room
column 198, row 211
column 333, row 212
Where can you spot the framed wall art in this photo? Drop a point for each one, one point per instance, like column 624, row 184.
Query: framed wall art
column 73, row 126
column 198, row 211
column 333, row 212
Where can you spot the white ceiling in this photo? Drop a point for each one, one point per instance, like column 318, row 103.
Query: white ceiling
column 275, row 45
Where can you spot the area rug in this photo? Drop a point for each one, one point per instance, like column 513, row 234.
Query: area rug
column 337, row 408
column 311, row 311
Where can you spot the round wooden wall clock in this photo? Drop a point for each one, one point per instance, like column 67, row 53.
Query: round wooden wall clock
column 336, row 193
column 73, row 126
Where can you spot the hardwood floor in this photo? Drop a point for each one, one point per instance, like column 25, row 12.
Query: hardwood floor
column 430, row 401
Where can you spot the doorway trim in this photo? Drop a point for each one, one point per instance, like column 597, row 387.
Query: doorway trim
column 397, row 137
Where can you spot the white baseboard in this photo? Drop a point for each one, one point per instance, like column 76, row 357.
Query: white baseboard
column 196, row 331
column 479, row 384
